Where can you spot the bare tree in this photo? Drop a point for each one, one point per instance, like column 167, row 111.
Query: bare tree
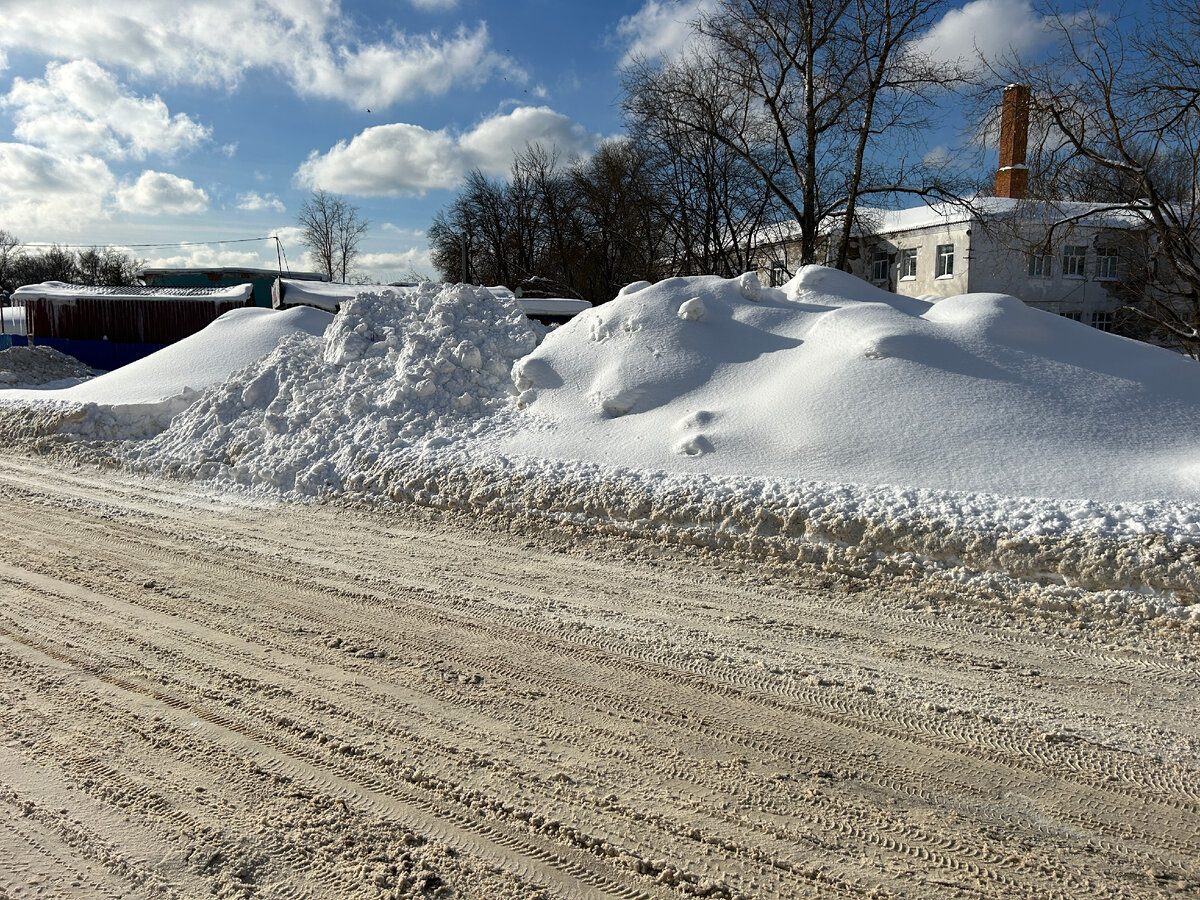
column 584, row 230
column 712, row 201
column 10, row 252
column 1118, row 104
column 332, row 229
column 815, row 96
column 55, row 263
column 107, row 267
column 621, row 228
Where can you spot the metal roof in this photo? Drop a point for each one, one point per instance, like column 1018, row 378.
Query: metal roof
column 58, row 289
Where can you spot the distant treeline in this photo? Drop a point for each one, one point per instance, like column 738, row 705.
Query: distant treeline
column 587, row 227
column 20, row 265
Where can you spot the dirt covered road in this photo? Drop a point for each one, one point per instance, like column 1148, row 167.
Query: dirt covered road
column 203, row 698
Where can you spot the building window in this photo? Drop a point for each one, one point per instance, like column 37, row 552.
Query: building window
column 945, row 260
column 1074, row 315
column 1074, row 261
column 879, row 266
column 908, row 263
column 779, row 276
column 1103, row 320
column 1040, row 265
column 1108, row 264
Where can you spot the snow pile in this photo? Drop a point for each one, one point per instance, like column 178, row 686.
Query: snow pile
column 32, row 366
column 141, row 398
column 832, row 380
column 327, row 295
column 828, row 422
column 413, row 370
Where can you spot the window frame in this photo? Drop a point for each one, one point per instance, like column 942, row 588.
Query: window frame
column 1041, row 265
column 879, row 274
column 908, row 259
column 1072, row 254
column 1103, row 320
column 1108, row 258
column 944, row 261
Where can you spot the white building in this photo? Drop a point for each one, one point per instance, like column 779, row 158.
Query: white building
column 1081, row 260
column 1077, row 259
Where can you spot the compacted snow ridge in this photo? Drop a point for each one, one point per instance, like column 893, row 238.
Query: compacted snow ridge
column 823, row 419
column 40, row 367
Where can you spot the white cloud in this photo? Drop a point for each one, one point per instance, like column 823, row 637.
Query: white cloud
column 289, row 235
column 79, row 108
column 661, row 28
column 937, row 157
column 992, row 28
column 40, row 189
column 385, row 267
column 385, row 160
column 410, row 233
column 378, row 75
column 210, row 255
column 214, row 43
column 433, row 5
column 252, row 201
column 392, row 160
column 491, row 144
column 161, row 193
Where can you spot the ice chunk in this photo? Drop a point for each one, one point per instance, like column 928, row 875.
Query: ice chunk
column 693, row 310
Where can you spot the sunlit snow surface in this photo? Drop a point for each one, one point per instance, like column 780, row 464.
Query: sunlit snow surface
column 831, row 379
column 827, row 410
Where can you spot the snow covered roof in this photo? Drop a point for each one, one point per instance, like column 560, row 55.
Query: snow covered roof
column 327, row 295
column 1042, row 212
column 968, row 209
column 63, row 291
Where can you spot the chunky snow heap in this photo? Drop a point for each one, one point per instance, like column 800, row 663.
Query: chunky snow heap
column 395, row 371
column 33, row 366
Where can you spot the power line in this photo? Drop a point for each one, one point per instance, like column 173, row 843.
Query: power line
column 269, row 237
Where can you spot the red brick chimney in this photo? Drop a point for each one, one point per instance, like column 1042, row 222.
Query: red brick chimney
column 1012, row 178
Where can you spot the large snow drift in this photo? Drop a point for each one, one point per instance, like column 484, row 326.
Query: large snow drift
column 831, row 379
column 827, row 417
column 142, row 397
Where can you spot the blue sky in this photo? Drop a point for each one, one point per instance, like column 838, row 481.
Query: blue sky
column 161, row 121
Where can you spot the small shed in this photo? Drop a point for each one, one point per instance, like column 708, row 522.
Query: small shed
column 329, row 295
column 107, row 327
column 224, row 276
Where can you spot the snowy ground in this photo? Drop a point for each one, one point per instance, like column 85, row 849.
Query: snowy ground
column 976, row 436
column 757, row 593
column 216, row 699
